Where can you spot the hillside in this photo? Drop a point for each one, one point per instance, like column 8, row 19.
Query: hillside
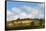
column 26, row 23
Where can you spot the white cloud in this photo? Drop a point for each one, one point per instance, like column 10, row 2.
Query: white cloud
column 12, row 18
column 17, row 12
column 35, row 11
column 41, row 16
column 8, row 13
column 42, row 5
column 23, row 15
column 30, row 9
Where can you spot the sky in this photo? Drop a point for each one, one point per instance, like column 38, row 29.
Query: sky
column 24, row 10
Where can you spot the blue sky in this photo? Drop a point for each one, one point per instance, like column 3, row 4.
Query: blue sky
column 23, row 9
column 19, row 4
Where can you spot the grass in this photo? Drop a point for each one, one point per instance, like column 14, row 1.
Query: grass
column 25, row 24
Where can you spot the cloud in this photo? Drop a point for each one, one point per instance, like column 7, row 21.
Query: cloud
column 42, row 5
column 16, row 10
column 8, row 13
column 11, row 15
column 22, row 12
column 35, row 11
column 41, row 16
